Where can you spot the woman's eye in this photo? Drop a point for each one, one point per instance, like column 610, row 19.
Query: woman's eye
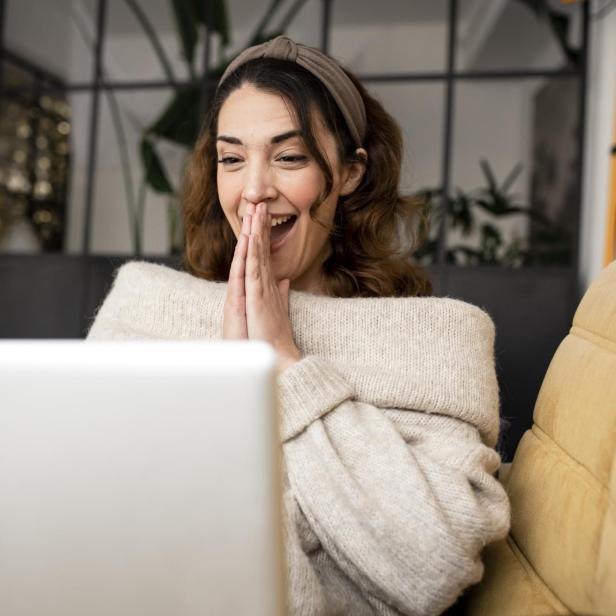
column 292, row 158
column 228, row 160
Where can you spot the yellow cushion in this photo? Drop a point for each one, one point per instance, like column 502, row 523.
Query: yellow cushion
column 605, row 602
column 560, row 556
column 524, row 594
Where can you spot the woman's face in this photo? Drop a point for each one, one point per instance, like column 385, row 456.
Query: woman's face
column 262, row 158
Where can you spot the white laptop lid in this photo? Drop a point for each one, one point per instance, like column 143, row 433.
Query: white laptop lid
column 139, row 478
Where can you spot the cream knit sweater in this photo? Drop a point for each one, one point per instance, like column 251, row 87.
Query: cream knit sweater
column 388, row 425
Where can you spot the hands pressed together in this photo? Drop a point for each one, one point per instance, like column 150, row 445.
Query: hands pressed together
column 257, row 306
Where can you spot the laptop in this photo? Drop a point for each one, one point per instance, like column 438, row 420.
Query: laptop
column 139, row 478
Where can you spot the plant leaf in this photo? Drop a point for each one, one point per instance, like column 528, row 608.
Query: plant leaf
column 213, row 15
column 155, row 174
column 489, row 175
column 186, row 20
column 559, row 24
column 179, row 121
column 511, row 178
column 560, row 27
column 491, row 240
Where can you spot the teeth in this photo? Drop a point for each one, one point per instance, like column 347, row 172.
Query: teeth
column 279, row 220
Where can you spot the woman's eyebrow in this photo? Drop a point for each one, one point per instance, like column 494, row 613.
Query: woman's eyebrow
column 275, row 139
column 287, row 135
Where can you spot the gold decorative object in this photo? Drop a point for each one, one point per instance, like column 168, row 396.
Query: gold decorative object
column 34, row 153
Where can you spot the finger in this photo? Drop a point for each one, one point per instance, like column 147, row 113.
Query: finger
column 263, row 243
column 236, row 272
column 246, row 221
column 243, row 239
column 253, row 268
column 267, row 235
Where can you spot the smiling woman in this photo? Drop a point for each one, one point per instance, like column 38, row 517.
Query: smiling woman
column 387, row 397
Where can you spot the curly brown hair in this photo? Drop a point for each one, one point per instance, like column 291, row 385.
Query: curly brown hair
column 375, row 230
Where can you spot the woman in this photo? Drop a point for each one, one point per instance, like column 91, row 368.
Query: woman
column 388, row 397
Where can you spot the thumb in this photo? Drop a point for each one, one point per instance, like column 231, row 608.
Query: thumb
column 283, row 289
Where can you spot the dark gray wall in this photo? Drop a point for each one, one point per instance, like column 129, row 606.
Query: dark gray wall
column 532, row 309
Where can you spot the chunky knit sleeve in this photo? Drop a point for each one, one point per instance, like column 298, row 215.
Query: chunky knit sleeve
column 399, row 503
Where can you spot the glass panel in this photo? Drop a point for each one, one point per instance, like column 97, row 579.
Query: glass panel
column 305, row 25
column 56, row 36
column 34, row 154
column 514, row 197
column 396, row 37
column 418, row 109
column 508, row 35
column 128, row 215
column 129, row 53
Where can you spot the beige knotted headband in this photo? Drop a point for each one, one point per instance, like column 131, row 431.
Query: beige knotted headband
column 325, row 69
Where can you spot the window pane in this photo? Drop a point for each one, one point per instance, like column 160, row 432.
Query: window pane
column 56, row 35
column 507, row 35
column 129, row 54
column 124, row 115
column 514, row 189
column 119, row 189
column 393, row 37
column 418, row 109
column 305, row 25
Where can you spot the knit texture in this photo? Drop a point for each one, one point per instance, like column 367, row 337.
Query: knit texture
column 388, row 425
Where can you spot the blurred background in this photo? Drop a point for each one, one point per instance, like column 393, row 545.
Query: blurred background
column 507, row 109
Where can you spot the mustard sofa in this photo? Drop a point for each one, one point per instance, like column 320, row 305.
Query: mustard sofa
column 560, row 556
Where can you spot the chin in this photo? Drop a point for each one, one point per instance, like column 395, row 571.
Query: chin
column 279, row 274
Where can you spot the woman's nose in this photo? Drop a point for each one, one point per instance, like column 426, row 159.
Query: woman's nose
column 258, row 185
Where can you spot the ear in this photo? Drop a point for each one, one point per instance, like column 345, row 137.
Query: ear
column 353, row 173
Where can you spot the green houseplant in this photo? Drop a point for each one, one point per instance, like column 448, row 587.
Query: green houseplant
column 551, row 244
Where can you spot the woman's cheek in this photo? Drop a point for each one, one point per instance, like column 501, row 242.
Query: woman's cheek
column 225, row 195
column 305, row 189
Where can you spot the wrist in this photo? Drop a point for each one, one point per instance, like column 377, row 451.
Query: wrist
column 286, row 361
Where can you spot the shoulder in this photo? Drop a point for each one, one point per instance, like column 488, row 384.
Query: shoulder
column 156, row 301
column 147, row 276
column 433, row 354
column 397, row 316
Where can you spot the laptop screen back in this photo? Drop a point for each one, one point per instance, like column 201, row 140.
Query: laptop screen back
column 139, row 478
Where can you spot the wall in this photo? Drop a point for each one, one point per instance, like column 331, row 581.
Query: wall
column 601, row 114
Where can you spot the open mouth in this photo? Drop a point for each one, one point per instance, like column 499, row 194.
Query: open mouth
column 280, row 233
